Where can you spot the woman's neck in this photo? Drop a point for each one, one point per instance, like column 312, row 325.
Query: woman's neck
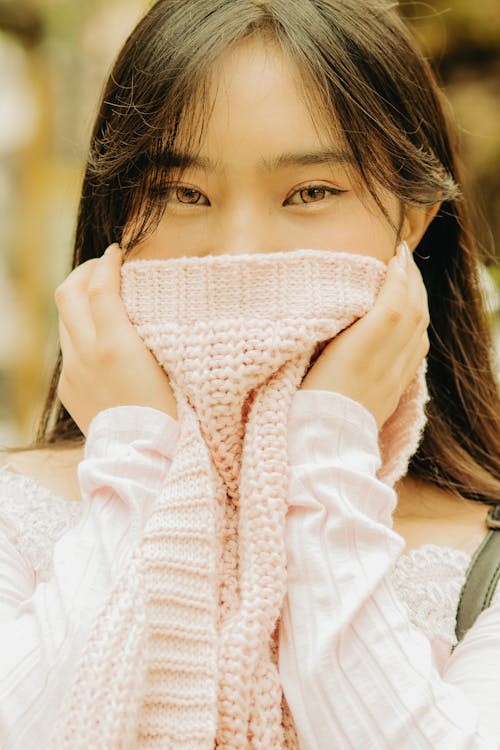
column 427, row 514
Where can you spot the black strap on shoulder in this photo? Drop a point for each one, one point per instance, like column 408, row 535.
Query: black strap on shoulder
column 482, row 576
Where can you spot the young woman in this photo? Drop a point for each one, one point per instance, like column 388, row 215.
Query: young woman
column 230, row 131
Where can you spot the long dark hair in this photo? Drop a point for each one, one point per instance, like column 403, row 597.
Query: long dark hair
column 358, row 59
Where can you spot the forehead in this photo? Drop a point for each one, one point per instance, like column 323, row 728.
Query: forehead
column 257, row 100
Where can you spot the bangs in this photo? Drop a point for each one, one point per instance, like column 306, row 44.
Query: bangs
column 159, row 165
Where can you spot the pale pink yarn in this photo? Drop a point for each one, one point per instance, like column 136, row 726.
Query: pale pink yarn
column 184, row 654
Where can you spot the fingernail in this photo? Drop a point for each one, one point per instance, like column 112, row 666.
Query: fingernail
column 403, row 254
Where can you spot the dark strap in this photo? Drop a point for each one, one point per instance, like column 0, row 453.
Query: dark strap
column 482, row 576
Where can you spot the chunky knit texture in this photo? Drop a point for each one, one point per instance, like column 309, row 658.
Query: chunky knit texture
column 183, row 655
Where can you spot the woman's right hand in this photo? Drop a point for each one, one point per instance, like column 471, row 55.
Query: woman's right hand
column 105, row 362
column 374, row 360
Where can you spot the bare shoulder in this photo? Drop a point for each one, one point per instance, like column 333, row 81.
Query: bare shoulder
column 53, row 468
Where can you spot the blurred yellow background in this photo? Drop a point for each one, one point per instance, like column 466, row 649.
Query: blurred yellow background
column 54, row 56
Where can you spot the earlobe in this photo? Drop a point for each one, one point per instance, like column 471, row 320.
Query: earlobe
column 415, row 222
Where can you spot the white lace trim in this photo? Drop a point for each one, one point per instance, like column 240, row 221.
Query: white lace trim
column 427, row 579
column 34, row 519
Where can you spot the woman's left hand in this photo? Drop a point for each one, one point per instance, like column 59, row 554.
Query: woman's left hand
column 375, row 359
column 105, row 362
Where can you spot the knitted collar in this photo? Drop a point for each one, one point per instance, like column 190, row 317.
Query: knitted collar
column 184, row 654
column 277, row 301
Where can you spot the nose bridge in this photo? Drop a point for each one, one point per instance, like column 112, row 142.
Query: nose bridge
column 244, row 227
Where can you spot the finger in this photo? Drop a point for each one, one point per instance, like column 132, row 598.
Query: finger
column 420, row 290
column 412, row 333
column 412, row 363
column 418, row 309
column 78, row 278
column 402, row 300
column 392, row 330
column 72, row 305
column 387, row 320
column 68, row 358
column 105, row 302
column 417, row 347
column 65, row 341
column 389, row 328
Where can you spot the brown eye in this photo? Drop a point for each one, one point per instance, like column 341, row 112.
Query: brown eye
column 312, row 194
column 188, row 195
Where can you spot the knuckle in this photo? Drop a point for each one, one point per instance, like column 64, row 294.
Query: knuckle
column 106, row 353
column 96, row 291
column 393, row 316
column 418, row 316
column 60, row 294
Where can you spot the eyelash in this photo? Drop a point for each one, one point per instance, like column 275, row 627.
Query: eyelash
column 313, row 186
column 168, row 190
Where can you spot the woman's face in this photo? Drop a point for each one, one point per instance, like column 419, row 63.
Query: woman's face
column 266, row 178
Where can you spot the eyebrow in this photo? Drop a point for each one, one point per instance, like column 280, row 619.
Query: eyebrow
column 183, row 160
column 306, row 159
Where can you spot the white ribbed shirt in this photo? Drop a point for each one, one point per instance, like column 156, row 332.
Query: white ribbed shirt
column 361, row 666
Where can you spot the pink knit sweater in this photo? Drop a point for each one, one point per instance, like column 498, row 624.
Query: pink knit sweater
column 184, row 653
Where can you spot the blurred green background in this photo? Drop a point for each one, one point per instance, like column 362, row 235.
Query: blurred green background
column 54, row 56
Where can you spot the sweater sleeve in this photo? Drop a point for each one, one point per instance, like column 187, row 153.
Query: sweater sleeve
column 43, row 627
column 356, row 673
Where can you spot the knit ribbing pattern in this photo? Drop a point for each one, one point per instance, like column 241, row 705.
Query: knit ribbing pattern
column 184, row 655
